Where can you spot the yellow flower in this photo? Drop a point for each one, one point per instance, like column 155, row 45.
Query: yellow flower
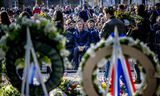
column 103, row 85
column 42, row 14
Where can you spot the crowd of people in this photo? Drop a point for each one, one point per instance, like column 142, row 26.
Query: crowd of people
column 84, row 25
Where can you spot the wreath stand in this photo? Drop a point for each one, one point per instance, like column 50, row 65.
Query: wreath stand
column 30, row 51
column 88, row 67
column 42, row 46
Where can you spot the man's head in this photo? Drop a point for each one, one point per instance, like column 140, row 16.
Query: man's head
column 121, row 7
column 80, row 24
column 108, row 12
column 70, row 23
column 90, row 23
column 157, row 6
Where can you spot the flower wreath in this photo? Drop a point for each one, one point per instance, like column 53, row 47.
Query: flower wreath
column 46, row 41
column 103, row 50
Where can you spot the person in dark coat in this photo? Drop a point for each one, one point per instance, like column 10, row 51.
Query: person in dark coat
column 4, row 20
column 142, row 28
column 156, row 30
column 4, row 17
column 141, row 32
column 81, row 41
column 110, row 24
column 70, row 38
column 155, row 14
column 108, row 29
column 94, row 32
column 59, row 21
column 28, row 9
column 85, row 14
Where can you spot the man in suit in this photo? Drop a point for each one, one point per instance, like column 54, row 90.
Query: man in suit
column 81, row 42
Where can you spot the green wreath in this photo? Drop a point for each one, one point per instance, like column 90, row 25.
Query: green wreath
column 103, row 50
column 49, row 47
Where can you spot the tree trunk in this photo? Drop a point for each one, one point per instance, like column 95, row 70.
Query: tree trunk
column 1, row 3
column 130, row 1
column 143, row 2
column 20, row 4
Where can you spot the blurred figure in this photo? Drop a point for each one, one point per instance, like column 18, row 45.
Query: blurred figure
column 70, row 38
column 155, row 14
column 4, row 18
column 156, row 28
column 29, row 11
column 94, row 32
column 24, row 14
column 141, row 31
column 142, row 28
column 99, row 25
column 85, row 14
column 59, row 21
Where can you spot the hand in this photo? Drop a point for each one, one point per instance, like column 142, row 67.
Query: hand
column 81, row 48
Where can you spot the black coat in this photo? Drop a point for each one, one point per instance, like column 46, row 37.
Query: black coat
column 82, row 38
column 109, row 26
column 70, row 38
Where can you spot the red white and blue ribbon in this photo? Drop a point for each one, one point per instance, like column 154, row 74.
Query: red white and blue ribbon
column 120, row 70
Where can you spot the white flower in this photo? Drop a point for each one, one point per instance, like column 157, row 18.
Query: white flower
column 91, row 52
column 100, row 43
column 50, row 28
column 67, row 64
column 137, row 41
column 3, row 39
column 60, row 38
column 64, row 53
column 109, row 42
column 37, row 21
column 12, row 25
column 26, row 21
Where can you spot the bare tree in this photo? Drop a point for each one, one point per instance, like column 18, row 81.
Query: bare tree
column 130, row 1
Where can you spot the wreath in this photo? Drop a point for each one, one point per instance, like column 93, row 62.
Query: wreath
column 49, row 46
column 148, row 64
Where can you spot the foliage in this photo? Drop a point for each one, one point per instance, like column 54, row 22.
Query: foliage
column 39, row 27
column 45, row 15
column 9, row 90
column 2, row 67
column 123, row 15
column 70, row 87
